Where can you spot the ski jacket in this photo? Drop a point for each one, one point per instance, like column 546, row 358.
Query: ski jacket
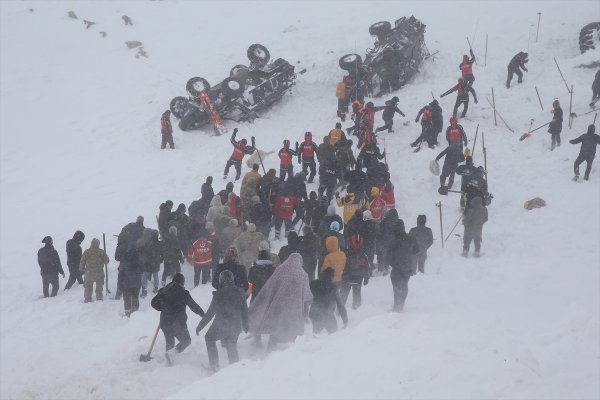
column 259, row 273
column 172, row 301
column 390, row 109
column 307, row 151
column 201, row 252
column 437, row 118
column 93, row 261
column 425, row 115
column 357, row 181
column 286, row 156
column 377, row 207
column 555, row 126
column 454, row 156
column 207, row 191
column 309, row 249
column 588, row 141
column 463, row 90
column 351, row 203
column 400, row 252
column 475, row 217
column 326, row 299
column 466, row 66
column 240, row 149
column 370, row 153
column 165, row 123
column 456, row 134
column 387, row 193
column 171, row 249
column 357, row 262
column 49, row 261
column 368, row 118
column 423, row 236
column 518, row 61
column 73, row 253
column 130, row 270
column 335, row 258
column 150, row 253
column 344, row 158
column 284, row 206
column 325, row 153
column 260, row 214
column 230, row 311
column 240, row 277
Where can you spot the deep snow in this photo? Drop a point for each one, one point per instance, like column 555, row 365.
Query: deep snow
column 79, row 149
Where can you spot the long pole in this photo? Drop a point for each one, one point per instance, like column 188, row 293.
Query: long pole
column 485, row 59
column 261, row 163
column 105, row 265
column 475, row 141
column 439, row 205
column 484, row 154
column 571, row 108
column 455, row 225
column 538, row 27
column 500, row 115
column 494, row 107
column 538, row 94
column 561, row 75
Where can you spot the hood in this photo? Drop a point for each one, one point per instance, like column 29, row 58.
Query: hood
column 293, row 239
column 591, row 129
column 399, row 228
column 332, row 244
column 391, row 215
column 216, row 201
column 95, row 244
column 465, row 58
column 79, row 236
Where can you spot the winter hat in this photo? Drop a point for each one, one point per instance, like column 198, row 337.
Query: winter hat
column 181, row 208
column 169, row 203
column 367, row 216
column 233, row 222
column 209, row 180
column 338, row 125
column 139, row 220
column 47, row 240
column 231, row 254
column 375, row 191
column 264, row 246
column 331, row 210
column 229, row 186
column 421, row 220
column 179, row 278
column 255, row 199
column 335, row 226
column 254, row 167
column 173, row 230
column 251, row 227
column 79, row 236
column 591, row 129
column 226, row 278
column 395, row 99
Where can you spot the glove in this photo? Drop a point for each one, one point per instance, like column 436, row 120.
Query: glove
column 235, row 130
column 402, row 114
column 252, row 140
column 572, row 141
column 416, row 119
column 475, row 101
column 197, row 330
column 471, row 52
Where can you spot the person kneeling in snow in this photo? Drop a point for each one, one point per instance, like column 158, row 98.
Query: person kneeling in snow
column 171, row 302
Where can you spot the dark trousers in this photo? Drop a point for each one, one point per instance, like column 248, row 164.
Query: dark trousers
column 447, row 171
column 131, row 300
column 179, row 331
column 555, row 140
column 589, row 159
column 510, row 76
column 167, row 138
column 285, row 170
column 230, row 344
column 468, row 238
column 307, row 163
column 420, row 258
column 201, row 271
column 74, row 275
column 400, row 286
column 356, row 293
column 170, row 269
column 342, row 108
column 324, row 321
column 237, row 165
column 327, row 186
column 461, row 100
column 388, row 125
column 48, row 280
column 277, row 222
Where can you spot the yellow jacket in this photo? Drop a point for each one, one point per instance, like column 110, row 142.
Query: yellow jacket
column 350, row 206
column 335, row 259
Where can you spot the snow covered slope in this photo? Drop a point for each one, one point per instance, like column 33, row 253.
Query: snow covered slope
column 79, row 149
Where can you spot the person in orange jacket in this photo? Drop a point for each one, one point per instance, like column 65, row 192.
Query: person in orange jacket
column 335, row 259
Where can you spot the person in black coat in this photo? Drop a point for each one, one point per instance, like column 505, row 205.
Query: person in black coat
column 164, row 216
column 356, row 271
column 326, row 221
column 424, row 238
column 260, row 215
column 515, row 65
column 50, row 267
column 229, row 308
column 231, row 263
column 260, row 272
column 454, row 156
column 437, row 122
column 401, row 251
column 291, row 247
column 133, row 231
column 587, row 152
column 73, row 258
column 309, row 249
column 325, row 300
column 369, row 231
column 130, row 279
column 555, row 127
column 172, row 301
column 463, row 89
column 207, row 191
column 385, row 236
column 391, row 108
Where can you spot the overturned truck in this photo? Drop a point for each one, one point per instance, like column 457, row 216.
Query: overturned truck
column 395, row 58
column 243, row 96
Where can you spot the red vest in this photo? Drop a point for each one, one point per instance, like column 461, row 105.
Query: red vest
column 285, row 157
column 308, row 150
column 377, row 208
column 426, row 116
column 455, row 135
column 467, row 69
column 388, row 197
column 201, row 253
column 284, row 207
column 238, row 153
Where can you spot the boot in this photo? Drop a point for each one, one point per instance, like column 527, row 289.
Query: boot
column 465, row 253
column 162, row 146
column 144, row 293
column 172, row 145
column 476, row 254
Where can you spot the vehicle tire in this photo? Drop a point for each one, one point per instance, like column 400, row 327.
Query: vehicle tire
column 589, row 37
column 380, row 28
column 237, row 69
column 192, row 120
column 178, row 106
column 197, row 85
column 350, row 62
column 232, row 87
column 258, row 54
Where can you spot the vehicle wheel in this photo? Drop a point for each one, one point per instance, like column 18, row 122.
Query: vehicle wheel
column 589, row 36
column 350, row 62
column 380, row 28
column 232, row 87
column 197, row 85
column 178, row 106
column 258, row 54
column 237, row 69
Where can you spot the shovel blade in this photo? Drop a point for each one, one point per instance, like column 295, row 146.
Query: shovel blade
column 145, row 357
column 443, row 190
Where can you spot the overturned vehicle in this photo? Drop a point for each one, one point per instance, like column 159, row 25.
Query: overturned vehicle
column 244, row 96
column 396, row 57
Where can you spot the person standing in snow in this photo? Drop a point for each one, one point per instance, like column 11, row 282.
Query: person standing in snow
column 130, row 279
column 229, row 308
column 475, row 216
column 466, row 68
column 172, row 255
column 336, row 135
column 325, row 300
column 587, row 152
column 166, row 130
column 456, row 133
column 231, row 263
column 424, row 238
column 240, row 149
column 454, row 155
column 391, row 108
column 356, row 271
column 150, row 255
column 462, row 88
column 282, row 305
column 425, row 115
column 201, row 253
column 73, row 259
column 247, row 245
column 164, row 216
column 555, row 127
column 515, row 65
column 92, row 265
column 172, row 301
column 306, row 156
column 286, row 166
column 261, row 270
column 206, row 190
column 50, row 267
column 400, row 253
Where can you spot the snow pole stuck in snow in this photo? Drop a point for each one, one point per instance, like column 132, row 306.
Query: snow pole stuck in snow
column 455, row 225
column 439, row 205
column 485, row 58
column 494, row 107
column 538, row 27
column 571, row 108
column 500, row 115
column 475, row 141
column 540, row 100
column 484, row 155
column 105, row 265
column 561, row 75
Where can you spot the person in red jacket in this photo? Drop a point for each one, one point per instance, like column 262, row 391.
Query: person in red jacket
column 386, row 190
column 462, row 88
column 306, row 156
column 240, row 149
column 466, row 68
column 283, row 211
column 377, row 206
column 166, row 130
column 201, row 253
column 456, row 133
column 425, row 114
column 286, row 166
column 367, row 122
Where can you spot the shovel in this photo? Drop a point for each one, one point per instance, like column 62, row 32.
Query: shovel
column 443, row 190
column 147, row 357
